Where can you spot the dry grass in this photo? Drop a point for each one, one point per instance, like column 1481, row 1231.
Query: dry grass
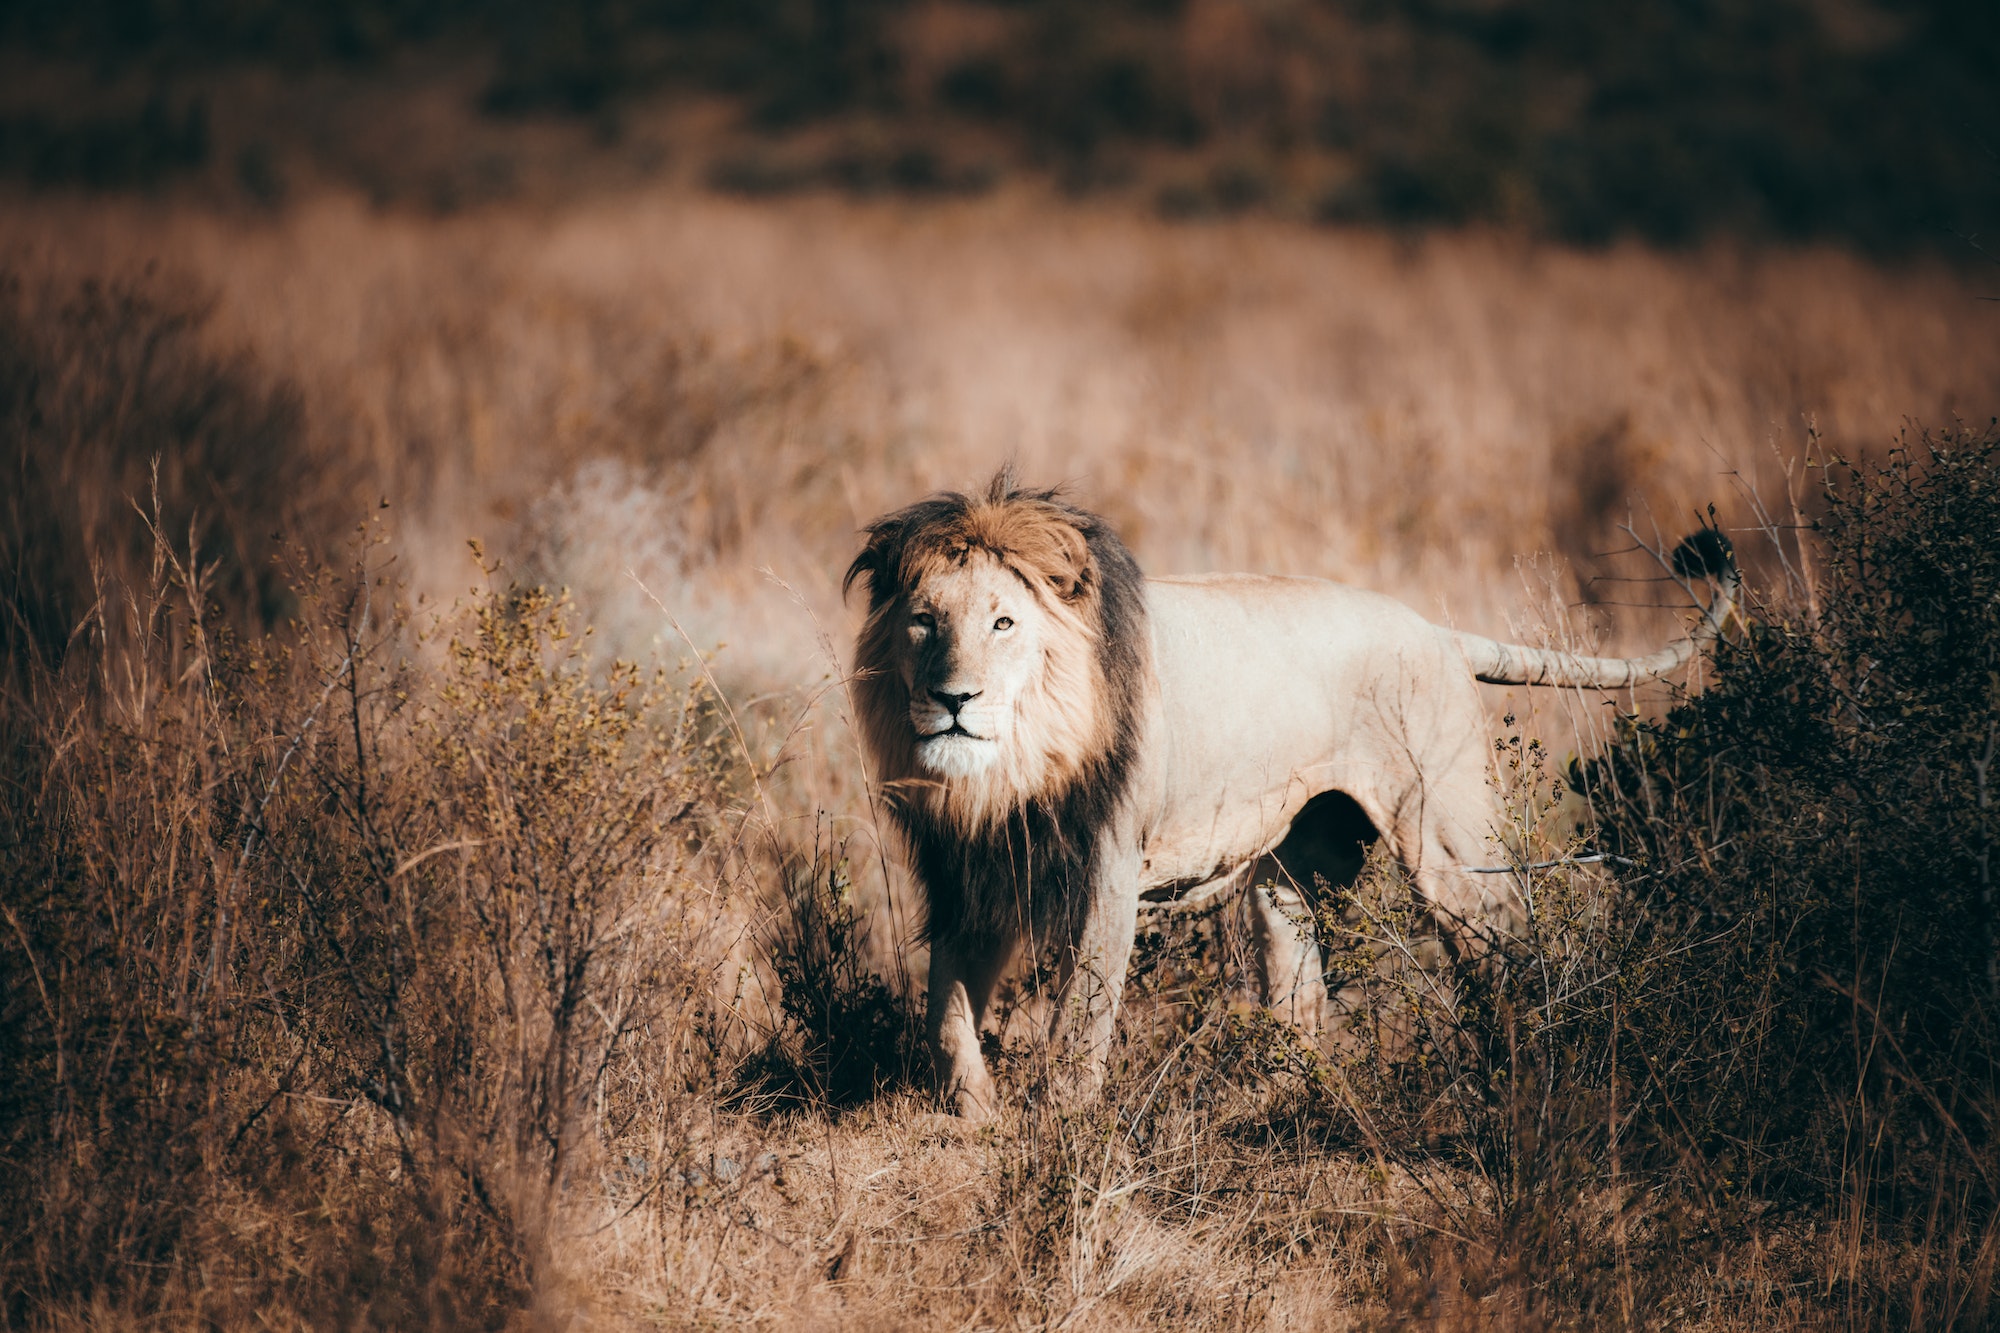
column 412, row 964
column 748, row 383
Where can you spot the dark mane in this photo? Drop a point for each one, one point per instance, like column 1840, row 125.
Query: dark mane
column 1029, row 874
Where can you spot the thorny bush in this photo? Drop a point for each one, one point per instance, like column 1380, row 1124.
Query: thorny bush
column 1779, row 1009
column 329, row 956
column 848, row 1033
column 1822, row 817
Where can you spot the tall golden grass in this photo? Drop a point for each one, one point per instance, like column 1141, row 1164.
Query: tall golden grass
column 748, row 383
column 387, row 955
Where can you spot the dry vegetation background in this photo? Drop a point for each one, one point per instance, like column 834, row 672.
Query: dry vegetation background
column 700, row 389
column 405, row 934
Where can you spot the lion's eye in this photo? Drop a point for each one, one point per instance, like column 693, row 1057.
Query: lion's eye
column 1004, row 623
column 923, row 620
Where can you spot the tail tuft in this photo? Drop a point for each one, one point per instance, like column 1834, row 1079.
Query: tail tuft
column 1705, row 554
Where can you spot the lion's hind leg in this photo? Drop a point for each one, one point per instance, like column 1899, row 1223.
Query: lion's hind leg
column 1327, row 844
column 1475, row 910
column 1290, row 974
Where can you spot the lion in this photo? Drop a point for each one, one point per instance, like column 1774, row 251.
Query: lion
column 1059, row 738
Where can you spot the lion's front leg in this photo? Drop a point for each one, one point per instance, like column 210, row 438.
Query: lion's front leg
column 1090, row 979
column 963, row 977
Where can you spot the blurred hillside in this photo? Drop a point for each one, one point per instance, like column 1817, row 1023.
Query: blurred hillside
column 1671, row 120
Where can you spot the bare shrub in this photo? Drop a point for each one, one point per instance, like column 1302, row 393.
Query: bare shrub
column 326, row 967
column 849, row 1033
column 1490, row 1076
column 1819, row 821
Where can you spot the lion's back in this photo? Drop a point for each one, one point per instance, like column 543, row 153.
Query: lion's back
column 1244, row 632
column 1270, row 689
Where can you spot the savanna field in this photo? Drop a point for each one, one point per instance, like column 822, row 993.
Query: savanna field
column 441, row 886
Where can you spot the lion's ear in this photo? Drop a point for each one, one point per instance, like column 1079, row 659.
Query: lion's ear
column 1074, row 571
column 877, row 561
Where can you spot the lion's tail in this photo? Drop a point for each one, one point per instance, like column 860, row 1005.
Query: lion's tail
column 1707, row 554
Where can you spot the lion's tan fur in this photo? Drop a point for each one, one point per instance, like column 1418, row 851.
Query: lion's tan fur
column 1163, row 735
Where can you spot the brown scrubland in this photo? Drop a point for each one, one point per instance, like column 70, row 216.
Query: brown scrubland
column 441, row 887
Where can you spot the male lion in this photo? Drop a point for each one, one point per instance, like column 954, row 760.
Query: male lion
column 1059, row 737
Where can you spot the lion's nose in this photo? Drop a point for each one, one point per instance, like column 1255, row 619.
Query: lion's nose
column 953, row 701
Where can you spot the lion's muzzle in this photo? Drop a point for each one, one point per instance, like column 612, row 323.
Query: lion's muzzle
column 953, row 741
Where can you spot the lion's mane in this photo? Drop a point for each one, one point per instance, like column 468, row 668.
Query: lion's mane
column 1007, row 855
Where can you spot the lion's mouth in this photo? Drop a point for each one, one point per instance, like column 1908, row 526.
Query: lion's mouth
column 955, row 754
column 953, row 730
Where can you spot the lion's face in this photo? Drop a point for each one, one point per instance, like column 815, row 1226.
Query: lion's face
column 981, row 681
column 975, row 642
